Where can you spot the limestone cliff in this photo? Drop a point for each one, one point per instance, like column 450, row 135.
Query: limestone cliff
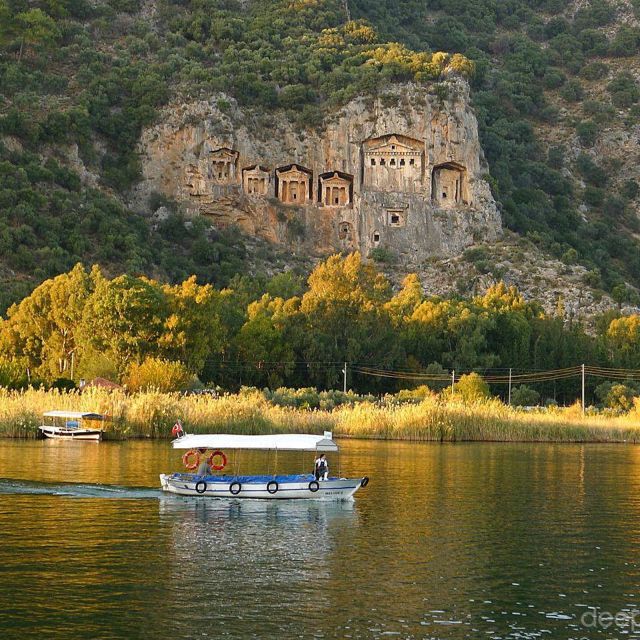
column 404, row 172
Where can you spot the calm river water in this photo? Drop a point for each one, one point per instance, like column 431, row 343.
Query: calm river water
column 447, row 541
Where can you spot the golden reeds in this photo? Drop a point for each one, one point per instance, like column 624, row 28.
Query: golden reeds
column 152, row 414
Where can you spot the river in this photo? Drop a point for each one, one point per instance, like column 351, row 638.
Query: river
column 447, row 541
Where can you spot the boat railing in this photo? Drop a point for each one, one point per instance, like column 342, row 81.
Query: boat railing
column 248, row 479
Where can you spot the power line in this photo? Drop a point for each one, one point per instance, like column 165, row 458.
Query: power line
column 530, row 376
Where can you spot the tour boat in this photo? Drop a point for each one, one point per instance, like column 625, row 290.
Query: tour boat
column 266, row 486
column 68, row 425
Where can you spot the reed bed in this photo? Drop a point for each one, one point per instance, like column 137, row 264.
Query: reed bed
column 152, row 414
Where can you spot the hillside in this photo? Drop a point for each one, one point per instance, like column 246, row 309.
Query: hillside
column 556, row 95
column 554, row 87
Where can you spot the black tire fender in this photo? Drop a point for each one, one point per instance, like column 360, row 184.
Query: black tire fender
column 203, row 485
column 272, row 487
column 314, row 485
column 235, row 488
column 364, row 482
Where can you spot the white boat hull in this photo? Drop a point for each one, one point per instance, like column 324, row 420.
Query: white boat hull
column 71, row 434
column 288, row 488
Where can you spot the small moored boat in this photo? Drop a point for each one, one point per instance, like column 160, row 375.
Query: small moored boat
column 70, row 425
column 266, row 486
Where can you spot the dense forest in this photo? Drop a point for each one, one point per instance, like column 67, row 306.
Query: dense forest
column 285, row 331
column 81, row 79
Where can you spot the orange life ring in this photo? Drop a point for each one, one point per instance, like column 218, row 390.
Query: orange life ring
column 187, row 457
column 223, row 462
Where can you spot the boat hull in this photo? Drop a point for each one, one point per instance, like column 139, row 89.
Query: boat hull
column 301, row 487
column 71, row 434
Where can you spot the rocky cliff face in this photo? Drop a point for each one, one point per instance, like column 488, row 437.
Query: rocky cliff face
column 404, row 173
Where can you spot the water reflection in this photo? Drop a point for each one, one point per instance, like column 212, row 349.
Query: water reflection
column 253, row 564
column 453, row 541
column 292, row 538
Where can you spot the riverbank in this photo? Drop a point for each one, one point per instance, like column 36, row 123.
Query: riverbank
column 151, row 415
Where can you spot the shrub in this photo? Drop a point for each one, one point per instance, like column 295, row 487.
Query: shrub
column 594, row 42
column 593, row 196
column 600, row 112
column 295, row 228
column 594, row 71
column 572, row 91
column 624, row 90
column 556, row 156
column 629, row 189
column 590, row 171
column 614, row 207
column 587, row 133
column 593, row 278
column 616, row 395
column 157, row 200
column 524, row 396
column 436, row 369
column 476, row 254
column 160, row 375
column 554, row 79
column 470, row 388
column 570, row 256
column 413, row 395
column 625, row 42
column 310, row 398
column 383, row 255
column 597, row 13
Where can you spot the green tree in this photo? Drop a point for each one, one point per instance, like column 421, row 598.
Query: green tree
column 30, row 28
column 404, row 303
column 623, row 338
column 45, row 329
column 263, row 345
column 345, row 318
column 126, row 318
column 193, row 330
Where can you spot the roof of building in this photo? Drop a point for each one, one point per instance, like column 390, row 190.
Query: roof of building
column 102, row 383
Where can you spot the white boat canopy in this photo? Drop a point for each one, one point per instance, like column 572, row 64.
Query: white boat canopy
column 279, row 441
column 77, row 415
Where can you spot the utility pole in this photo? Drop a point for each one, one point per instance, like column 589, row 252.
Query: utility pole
column 509, row 386
column 344, row 371
column 582, row 389
column 453, row 380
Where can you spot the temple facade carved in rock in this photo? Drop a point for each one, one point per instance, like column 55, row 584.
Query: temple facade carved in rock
column 294, row 184
column 408, row 178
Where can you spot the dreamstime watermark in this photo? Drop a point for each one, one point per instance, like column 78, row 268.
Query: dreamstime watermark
column 627, row 621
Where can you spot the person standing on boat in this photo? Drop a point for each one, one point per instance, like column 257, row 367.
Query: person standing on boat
column 321, row 467
column 203, row 467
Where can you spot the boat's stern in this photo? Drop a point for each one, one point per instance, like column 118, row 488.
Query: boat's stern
column 164, row 482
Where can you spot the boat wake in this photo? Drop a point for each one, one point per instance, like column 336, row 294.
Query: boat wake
column 76, row 490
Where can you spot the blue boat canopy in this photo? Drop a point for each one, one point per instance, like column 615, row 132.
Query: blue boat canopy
column 278, row 441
